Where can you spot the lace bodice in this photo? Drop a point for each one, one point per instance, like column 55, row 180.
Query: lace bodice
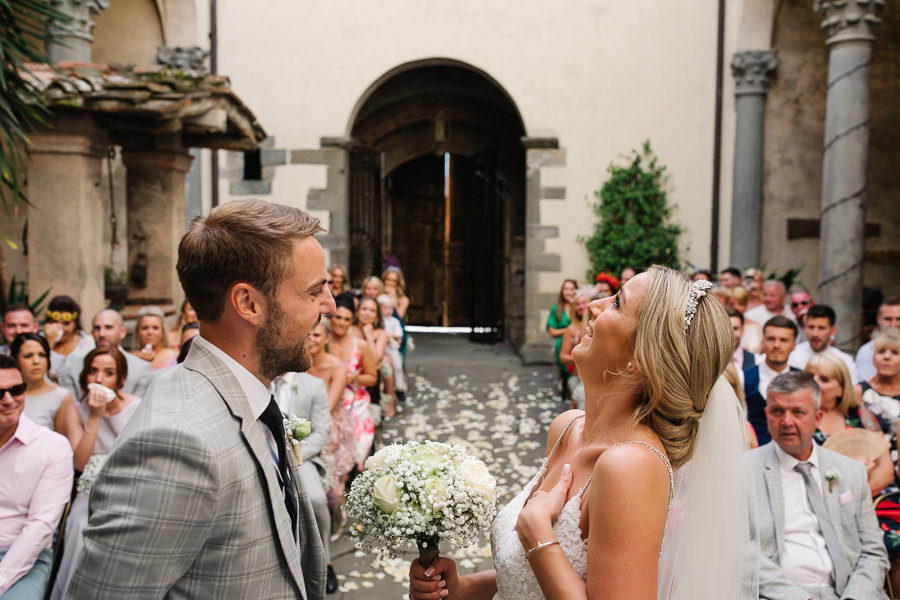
column 515, row 579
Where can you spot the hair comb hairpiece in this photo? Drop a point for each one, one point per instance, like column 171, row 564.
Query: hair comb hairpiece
column 698, row 290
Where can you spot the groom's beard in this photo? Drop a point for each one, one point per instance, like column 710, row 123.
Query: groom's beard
column 275, row 355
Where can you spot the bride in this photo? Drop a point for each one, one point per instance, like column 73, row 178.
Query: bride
column 641, row 495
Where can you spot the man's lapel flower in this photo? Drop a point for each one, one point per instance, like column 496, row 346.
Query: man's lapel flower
column 832, row 475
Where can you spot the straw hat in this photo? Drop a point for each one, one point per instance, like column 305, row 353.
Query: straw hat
column 860, row 444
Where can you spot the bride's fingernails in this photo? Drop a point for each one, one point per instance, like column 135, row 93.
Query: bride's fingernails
column 442, row 583
column 444, row 593
column 567, row 468
column 429, row 571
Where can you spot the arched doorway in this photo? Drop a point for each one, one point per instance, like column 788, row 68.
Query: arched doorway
column 437, row 175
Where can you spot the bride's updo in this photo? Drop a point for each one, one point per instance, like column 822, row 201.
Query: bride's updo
column 678, row 366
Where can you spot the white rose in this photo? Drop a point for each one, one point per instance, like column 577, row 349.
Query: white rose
column 387, row 495
column 383, row 457
column 476, row 475
column 435, row 491
column 428, row 458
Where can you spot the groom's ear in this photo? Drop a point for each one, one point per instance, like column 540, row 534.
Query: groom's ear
column 247, row 303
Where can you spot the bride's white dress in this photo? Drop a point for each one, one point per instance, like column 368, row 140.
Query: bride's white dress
column 515, row 579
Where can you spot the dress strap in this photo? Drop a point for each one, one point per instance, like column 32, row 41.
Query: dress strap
column 540, row 480
column 664, row 458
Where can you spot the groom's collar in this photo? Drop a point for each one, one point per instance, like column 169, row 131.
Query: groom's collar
column 257, row 394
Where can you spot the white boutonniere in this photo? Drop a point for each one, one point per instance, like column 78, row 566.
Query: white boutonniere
column 832, row 475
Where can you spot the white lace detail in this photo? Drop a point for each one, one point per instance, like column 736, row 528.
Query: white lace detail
column 515, row 579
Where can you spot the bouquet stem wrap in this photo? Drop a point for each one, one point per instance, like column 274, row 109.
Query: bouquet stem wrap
column 428, row 550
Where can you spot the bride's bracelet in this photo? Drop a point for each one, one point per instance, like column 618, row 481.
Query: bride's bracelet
column 539, row 546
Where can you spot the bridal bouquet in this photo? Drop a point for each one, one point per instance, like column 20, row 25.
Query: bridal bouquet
column 426, row 493
column 91, row 470
column 295, row 431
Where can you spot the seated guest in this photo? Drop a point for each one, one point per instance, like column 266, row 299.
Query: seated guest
column 800, row 303
column 37, row 480
column 779, row 334
column 881, row 392
column 17, row 319
column 104, row 419
column 821, row 327
column 306, row 396
column 108, row 330
column 63, row 331
column 46, row 403
column 842, row 409
column 752, row 338
column 888, row 316
column 742, row 358
column 773, row 297
column 815, row 526
column 150, row 342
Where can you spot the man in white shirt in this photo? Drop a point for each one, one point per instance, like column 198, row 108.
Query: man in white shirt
column 774, row 294
column 821, row 327
column 888, row 316
column 815, row 526
column 779, row 336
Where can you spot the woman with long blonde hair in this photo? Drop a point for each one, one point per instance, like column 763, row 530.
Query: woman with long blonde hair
column 650, row 471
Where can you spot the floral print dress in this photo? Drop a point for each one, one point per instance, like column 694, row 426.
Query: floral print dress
column 887, row 410
column 356, row 403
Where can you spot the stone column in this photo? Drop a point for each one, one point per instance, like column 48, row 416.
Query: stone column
column 849, row 24
column 65, row 225
column 751, row 69
column 156, row 223
column 76, row 35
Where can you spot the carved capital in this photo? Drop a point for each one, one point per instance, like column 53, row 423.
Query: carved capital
column 80, row 11
column 190, row 58
column 849, row 20
column 751, row 70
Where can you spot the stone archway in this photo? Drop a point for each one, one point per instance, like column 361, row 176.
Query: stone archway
column 437, row 173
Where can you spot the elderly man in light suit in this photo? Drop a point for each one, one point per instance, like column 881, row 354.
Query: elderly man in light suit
column 817, row 534
column 200, row 496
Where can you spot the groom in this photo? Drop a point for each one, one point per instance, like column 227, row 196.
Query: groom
column 199, row 498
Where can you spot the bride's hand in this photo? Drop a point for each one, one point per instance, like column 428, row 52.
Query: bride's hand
column 536, row 519
column 440, row 580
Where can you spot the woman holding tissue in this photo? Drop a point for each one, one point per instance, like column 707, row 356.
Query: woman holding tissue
column 105, row 410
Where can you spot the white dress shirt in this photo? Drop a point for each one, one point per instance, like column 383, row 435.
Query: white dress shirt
column 805, row 560
column 865, row 361
column 803, row 352
column 766, row 374
column 760, row 314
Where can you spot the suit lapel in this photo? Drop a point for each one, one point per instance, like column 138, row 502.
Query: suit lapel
column 204, row 362
column 776, row 496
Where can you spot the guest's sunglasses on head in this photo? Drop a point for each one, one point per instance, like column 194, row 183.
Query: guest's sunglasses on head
column 801, row 303
column 16, row 390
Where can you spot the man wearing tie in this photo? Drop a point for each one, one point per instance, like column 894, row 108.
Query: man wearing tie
column 814, row 525
column 200, row 497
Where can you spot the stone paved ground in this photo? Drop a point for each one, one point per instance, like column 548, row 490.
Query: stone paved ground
column 482, row 397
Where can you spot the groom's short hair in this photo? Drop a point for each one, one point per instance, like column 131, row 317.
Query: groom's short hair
column 248, row 240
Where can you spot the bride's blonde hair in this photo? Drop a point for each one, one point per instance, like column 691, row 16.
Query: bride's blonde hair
column 678, row 367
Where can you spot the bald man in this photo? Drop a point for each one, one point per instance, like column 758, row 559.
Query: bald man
column 108, row 329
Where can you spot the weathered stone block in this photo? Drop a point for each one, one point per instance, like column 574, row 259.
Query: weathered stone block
column 250, row 188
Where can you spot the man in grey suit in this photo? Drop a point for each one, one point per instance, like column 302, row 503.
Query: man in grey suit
column 108, row 330
column 200, row 496
column 816, row 530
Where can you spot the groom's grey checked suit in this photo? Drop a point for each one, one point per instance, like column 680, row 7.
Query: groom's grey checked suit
column 850, row 506
column 189, row 504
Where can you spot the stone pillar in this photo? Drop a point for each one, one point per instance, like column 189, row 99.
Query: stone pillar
column 849, row 24
column 65, row 226
column 751, row 69
column 76, row 35
column 543, row 269
column 156, row 223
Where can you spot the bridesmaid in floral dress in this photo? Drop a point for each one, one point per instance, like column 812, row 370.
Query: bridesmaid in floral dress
column 356, row 354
